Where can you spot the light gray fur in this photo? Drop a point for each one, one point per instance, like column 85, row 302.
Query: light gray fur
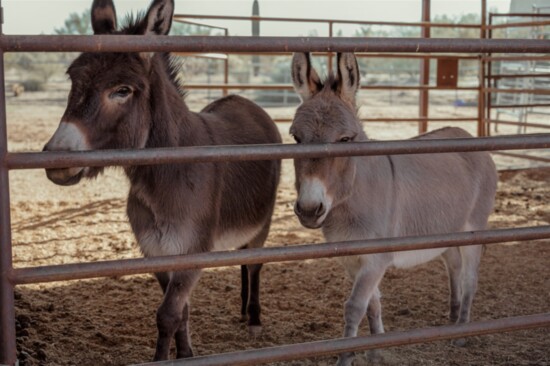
column 387, row 196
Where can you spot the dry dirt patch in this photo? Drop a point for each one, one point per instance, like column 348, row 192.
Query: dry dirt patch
column 111, row 321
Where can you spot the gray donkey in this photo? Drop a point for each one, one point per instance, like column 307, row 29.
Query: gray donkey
column 134, row 101
column 368, row 197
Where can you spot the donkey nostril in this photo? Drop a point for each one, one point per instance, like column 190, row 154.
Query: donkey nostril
column 320, row 209
column 297, row 209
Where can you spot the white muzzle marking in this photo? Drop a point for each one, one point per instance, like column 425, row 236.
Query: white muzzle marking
column 68, row 137
column 312, row 193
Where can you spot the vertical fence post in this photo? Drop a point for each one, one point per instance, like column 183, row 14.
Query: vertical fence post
column 8, row 353
column 490, row 82
column 423, row 100
column 481, row 102
column 226, row 68
column 329, row 55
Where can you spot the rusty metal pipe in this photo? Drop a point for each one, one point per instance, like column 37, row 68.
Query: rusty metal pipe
column 517, row 58
column 274, row 254
column 530, row 75
column 527, row 105
column 290, row 87
column 399, row 120
column 523, row 156
column 520, row 24
column 369, row 55
column 526, row 124
column 515, row 15
column 324, row 20
column 519, row 91
column 8, row 355
column 424, row 73
column 207, row 44
column 362, row 343
column 196, row 154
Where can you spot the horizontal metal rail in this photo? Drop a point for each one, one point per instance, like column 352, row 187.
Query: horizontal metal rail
column 378, row 55
column 201, row 24
column 534, row 15
column 516, row 58
column 524, row 156
column 121, row 267
column 530, row 105
column 322, row 20
column 202, row 154
column 362, row 343
column 518, row 91
column 529, row 75
column 402, row 120
column 290, row 87
column 525, row 124
column 519, row 24
column 208, row 44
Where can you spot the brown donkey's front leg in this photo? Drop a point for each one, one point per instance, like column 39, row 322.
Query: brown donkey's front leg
column 173, row 315
column 183, row 339
column 253, row 308
column 250, row 298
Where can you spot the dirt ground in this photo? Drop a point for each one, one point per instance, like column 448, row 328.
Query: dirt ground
column 111, row 321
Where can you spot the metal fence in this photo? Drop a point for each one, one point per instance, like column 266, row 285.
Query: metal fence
column 489, row 82
column 10, row 277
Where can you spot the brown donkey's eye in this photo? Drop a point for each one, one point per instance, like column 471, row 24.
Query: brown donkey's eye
column 345, row 139
column 121, row 92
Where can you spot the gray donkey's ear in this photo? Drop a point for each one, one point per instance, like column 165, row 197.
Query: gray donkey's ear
column 103, row 17
column 159, row 17
column 305, row 78
column 349, row 79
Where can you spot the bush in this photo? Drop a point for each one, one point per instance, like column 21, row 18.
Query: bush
column 33, row 85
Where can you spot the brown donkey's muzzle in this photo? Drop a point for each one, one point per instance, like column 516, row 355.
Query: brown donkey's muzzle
column 63, row 176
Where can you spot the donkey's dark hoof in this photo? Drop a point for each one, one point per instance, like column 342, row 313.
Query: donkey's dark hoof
column 243, row 318
column 185, row 354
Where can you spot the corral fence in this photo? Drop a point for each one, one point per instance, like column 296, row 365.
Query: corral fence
column 11, row 277
column 511, row 86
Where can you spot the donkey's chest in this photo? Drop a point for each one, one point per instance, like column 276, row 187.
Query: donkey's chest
column 184, row 238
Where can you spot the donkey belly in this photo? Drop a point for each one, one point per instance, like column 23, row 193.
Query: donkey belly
column 411, row 258
column 236, row 238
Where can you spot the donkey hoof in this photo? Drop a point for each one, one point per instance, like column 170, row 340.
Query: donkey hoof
column 243, row 318
column 254, row 331
column 345, row 359
column 374, row 356
column 459, row 342
column 185, row 354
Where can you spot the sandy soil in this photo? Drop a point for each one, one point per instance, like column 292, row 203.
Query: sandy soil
column 111, row 321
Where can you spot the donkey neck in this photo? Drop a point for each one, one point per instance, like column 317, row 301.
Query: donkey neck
column 366, row 212
column 172, row 123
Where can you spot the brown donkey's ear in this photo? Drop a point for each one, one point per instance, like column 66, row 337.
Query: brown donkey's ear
column 159, row 17
column 103, row 16
column 305, row 78
column 348, row 77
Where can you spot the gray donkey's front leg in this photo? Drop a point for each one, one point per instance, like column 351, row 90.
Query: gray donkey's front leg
column 365, row 287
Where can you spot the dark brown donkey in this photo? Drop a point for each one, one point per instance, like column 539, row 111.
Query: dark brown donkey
column 133, row 100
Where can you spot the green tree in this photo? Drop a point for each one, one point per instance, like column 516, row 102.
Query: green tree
column 77, row 24
column 456, row 32
column 185, row 29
